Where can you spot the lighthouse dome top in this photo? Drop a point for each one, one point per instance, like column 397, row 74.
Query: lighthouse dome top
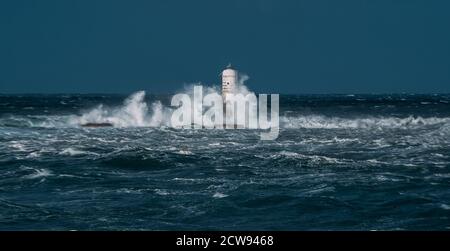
column 229, row 70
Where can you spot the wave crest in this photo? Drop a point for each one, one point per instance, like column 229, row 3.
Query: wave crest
column 133, row 113
column 323, row 122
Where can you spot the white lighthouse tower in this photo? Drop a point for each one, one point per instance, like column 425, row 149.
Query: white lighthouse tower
column 229, row 81
column 229, row 86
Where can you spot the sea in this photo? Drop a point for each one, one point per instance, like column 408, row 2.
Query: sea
column 341, row 162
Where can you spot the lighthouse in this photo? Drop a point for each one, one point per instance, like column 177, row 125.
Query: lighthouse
column 229, row 81
column 229, row 86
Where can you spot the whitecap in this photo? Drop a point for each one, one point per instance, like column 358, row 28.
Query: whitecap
column 72, row 152
column 33, row 155
column 129, row 191
column 324, row 122
column 219, row 195
column 39, row 173
column 161, row 192
column 17, row 145
column 185, row 152
column 133, row 113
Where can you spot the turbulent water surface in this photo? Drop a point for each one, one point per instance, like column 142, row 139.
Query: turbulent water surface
column 341, row 162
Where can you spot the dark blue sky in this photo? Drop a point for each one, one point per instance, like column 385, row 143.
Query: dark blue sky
column 290, row 46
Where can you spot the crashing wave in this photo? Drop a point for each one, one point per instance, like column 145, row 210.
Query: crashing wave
column 133, row 113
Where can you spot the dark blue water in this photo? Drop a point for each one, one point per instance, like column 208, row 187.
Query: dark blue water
column 341, row 162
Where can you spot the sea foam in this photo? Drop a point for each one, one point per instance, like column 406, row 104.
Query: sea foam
column 133, row 113
column 323, row 122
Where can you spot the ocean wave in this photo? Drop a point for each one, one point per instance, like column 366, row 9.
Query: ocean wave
column 219, row 195
column 74, row 152
column 283, row 155
column 39, row 121
column 157, row 120
column 135, row 112
column 323, row 122
column 38, row 173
